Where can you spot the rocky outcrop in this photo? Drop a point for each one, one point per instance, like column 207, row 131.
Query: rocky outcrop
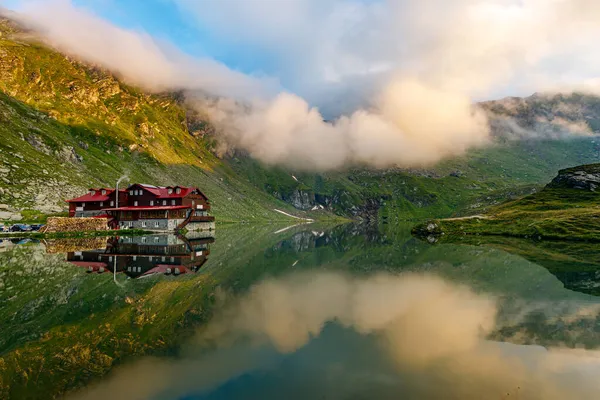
column 301, row 199
column 585, row 177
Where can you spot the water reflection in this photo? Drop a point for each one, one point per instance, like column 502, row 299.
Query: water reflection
column 144, row 256
column 575, row 264
column 65, row 321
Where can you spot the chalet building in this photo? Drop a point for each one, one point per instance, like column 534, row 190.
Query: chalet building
column 144, row 256
column 148, row 207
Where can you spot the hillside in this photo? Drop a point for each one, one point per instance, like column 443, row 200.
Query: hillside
column 566, row 209
column 67, row 126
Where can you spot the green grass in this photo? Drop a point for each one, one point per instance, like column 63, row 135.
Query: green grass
column 551, row 214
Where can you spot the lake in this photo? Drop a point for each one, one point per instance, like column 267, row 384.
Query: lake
column 299, row 312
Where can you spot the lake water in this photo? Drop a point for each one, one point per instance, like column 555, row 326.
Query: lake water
column 300, row 312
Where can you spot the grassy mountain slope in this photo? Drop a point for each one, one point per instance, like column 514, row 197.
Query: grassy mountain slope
column 566, row 209
column 67, row 127
column 460, row 186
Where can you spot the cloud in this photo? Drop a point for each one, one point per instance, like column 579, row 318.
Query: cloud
column 134, row 55
column 479, row 47
column 415, row 336
column 402, row 73
column 410, row 125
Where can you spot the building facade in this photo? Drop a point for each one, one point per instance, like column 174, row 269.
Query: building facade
column 147, row 207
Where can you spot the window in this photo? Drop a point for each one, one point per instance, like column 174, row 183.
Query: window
column 135, row 203
column 143, row 226
column 170, row 191
column 131, row 224
column 101, row 204
column 172, row 259
column 144, row 239
column 103, row 192
column 172, row 202
column 156, row 224
column 131, row 192
column 163, row 259
column 164, row 202
column 110, row 258
column 151, row 259
column 134, row 258
column 93, row 192
column 151, row 202
column 112, row 203
column 178, row 190
column 156, row 238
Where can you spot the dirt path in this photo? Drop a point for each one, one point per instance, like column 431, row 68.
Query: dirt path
column 469, row 217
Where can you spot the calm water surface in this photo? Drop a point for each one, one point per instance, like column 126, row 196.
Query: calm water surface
column 301, row 312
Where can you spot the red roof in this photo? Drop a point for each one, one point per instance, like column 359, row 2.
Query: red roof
column 147, row 208
column 162, row 192
column 97, row 196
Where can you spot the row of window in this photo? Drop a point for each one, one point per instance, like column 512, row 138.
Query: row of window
column 162, row 259
column 140, row 192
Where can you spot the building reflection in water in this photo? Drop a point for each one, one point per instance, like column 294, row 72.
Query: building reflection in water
column 143, row 256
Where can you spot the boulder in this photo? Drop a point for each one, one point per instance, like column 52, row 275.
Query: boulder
column 581, row 178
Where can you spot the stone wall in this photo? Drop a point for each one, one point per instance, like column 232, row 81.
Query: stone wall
column 63, row 224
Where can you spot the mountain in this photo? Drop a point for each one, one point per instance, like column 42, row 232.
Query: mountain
column 67, row 126
column 566, row 209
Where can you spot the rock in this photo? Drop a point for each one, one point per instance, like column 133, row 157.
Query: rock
column 581, row 178
column 428, row 230
column 301, row 200
column 38, row 144
column 68, row 154
column 10, row 216
column 4, row 207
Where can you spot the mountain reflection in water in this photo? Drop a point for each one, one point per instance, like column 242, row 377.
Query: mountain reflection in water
column 237, row 327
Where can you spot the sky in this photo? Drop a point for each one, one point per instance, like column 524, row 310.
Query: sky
column 396, row 79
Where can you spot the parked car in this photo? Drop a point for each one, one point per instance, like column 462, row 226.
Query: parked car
column 36, row 227
column 20, row 228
